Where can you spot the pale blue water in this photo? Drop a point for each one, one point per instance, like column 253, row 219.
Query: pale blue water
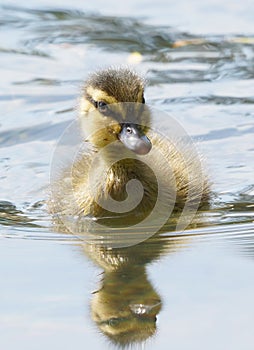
column 206, row 280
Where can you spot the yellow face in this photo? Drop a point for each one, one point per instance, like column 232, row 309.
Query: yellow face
column 106, row 119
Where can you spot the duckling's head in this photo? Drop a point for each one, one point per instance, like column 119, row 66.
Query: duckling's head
column 112, row 108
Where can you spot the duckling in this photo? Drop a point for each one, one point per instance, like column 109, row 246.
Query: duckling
column 116, row 124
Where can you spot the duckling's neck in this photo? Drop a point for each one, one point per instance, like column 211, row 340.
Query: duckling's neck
column 115, row 154
column 119, row 165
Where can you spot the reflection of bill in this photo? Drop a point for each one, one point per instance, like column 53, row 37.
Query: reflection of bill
column 133, row 175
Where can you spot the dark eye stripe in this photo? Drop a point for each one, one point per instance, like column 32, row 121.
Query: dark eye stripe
column 108, row 112
column 90, row 99
column 113, row 114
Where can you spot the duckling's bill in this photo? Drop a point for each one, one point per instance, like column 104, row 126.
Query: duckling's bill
column 134, row 139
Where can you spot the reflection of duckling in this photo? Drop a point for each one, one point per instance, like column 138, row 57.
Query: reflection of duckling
column 116, row 122
column 125, row 308
column 126, row 305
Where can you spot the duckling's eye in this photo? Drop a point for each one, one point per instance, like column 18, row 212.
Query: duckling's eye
column 129, row 130
column 102, row 106
column 114, row 322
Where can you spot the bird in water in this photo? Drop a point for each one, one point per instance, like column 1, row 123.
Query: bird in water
column 123, row 149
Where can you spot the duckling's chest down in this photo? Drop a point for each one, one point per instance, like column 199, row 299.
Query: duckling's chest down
column 127, row 187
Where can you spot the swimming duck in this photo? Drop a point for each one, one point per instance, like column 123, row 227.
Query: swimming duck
column 123, row 147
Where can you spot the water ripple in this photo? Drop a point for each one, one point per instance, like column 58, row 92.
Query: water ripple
column 224, row 57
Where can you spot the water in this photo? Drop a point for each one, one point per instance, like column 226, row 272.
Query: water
column 198, row 60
